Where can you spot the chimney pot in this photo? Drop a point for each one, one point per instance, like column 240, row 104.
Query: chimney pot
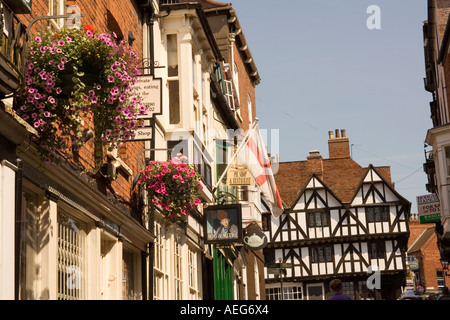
column 315, row 163
column 314, row 154
column 339, row 146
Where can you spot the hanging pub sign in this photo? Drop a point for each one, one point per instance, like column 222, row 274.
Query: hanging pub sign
column 255, row 240
column 239, row 176
column 149, row 89
column 223, row 223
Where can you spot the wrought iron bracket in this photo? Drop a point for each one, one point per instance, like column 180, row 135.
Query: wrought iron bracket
column 72, row 15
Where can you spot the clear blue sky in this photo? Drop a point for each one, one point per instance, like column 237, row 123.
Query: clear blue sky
column 322, row 69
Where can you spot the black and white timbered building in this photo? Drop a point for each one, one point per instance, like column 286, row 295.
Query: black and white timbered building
column 341, row 221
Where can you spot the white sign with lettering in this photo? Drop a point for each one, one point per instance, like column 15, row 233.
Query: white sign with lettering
column 144, row 133
column 149, row 89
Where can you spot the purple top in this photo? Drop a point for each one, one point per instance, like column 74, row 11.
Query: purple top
column 339, row 296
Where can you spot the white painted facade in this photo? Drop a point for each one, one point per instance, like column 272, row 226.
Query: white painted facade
column 439, row 139
column 178, row 253
column 7, row 226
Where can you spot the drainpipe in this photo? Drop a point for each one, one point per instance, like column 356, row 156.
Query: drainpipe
column 149, row 15
column 18, row 226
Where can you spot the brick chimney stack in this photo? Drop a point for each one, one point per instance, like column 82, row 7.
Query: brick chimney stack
column 315, row 163
column 338, row 145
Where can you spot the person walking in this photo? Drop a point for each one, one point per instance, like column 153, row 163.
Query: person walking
column 445, row 294
column 336, row 285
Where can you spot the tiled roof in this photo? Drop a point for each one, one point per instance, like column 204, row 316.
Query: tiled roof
column 340, row 173
column 421, row 240
column 343, row 177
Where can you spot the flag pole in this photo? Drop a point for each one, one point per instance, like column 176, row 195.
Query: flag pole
column 236, row 153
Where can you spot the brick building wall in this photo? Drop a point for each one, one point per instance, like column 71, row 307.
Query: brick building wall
column 428, row 256
column 246, row 87
column 442, row 12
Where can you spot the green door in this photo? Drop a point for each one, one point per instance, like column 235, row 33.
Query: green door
column 223, row 277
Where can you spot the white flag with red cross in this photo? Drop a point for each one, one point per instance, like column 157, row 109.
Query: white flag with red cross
column 254, row 156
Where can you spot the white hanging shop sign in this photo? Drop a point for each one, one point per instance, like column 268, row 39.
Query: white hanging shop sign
column 255, row 240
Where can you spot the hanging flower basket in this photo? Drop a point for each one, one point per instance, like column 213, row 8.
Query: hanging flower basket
column 173, row 186
column 68, row 84
column 75, row 78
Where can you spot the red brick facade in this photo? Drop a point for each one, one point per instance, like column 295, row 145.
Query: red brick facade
column 246, row 88
column 427, row 254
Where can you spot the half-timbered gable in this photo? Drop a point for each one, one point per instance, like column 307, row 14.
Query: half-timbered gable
column 379, row 206
column 314, row 214
column 345, row 221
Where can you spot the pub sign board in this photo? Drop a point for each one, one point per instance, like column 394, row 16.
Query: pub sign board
column 239, row 176
column 150, row 91
column 255, row 240
column 223, row 223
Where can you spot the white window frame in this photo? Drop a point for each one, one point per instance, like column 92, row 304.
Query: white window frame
column 137, row 294
column 160, row 265
column 288, row 289
column 174, row 78
column 60, row 10
column 194, row 292
column 236, row 80
column 315, row 285
column 447, row 160
column 71, row 261
column 178, row 268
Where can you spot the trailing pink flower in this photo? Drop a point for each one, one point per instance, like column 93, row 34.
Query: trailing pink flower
column 172, row 185
column 113, row 104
